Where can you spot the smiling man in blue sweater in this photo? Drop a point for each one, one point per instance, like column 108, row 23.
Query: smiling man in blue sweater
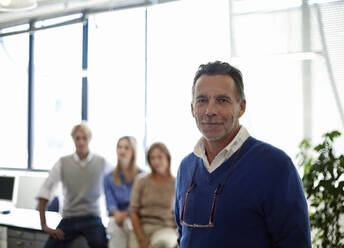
column 234, row 191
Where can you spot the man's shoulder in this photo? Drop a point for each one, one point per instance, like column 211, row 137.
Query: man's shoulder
column 66, row 157
column 189, row 161
column 266, row 148
column 101, row 162
column 190, row 158
column 97, row 156
column 269, row 155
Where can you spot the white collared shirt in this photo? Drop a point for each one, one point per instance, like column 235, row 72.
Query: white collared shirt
column 225, row 153
column 48, row 188
column 83, row 162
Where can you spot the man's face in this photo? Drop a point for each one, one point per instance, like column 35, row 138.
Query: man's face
column 81, row 140
column 215, row 107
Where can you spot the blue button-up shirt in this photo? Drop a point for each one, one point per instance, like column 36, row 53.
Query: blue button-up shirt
column 117, row 197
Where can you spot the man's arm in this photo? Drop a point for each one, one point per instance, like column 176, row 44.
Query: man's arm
column 45, row 193
column 49, row 186
column 42, row 204
column 176, row 207
column 55, row 233
column 285, row 207
column 176, row 217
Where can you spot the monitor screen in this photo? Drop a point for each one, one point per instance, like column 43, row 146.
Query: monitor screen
column 6, row 187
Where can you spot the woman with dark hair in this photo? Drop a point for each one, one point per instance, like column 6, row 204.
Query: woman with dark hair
column 152, row 203
column 117, row 186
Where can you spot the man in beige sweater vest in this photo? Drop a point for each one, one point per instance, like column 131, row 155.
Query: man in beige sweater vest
column 81, row 175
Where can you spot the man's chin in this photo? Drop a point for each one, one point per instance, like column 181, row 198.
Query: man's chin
column 83, row 151
column 212, row 137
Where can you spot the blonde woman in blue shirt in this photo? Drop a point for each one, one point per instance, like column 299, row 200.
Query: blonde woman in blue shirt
column 117, row 187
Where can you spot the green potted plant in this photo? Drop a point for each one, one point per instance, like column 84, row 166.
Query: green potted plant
column 323, row 182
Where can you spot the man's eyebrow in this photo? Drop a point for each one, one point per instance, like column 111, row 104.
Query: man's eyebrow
column 201, row 96
column 224, row 96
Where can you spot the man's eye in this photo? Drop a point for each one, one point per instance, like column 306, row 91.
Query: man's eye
column 201, row 100
column 222, row 100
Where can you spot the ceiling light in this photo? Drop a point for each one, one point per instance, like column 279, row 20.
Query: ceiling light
column 17, row 5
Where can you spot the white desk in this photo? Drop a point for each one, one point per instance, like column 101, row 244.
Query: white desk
column 22, row 228
column 28, row 219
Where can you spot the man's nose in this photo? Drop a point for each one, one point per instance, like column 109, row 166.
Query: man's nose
column 211, row 108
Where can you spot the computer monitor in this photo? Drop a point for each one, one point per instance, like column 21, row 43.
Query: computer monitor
column 8, row 188
column 28, row 187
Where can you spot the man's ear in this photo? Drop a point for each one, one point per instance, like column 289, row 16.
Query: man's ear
column 242, row 107
column 192, row 110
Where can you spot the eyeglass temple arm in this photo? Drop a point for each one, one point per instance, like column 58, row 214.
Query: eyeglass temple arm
column 217, row 191
column 186, row 197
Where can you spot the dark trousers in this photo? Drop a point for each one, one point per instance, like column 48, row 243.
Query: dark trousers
column 90, row 227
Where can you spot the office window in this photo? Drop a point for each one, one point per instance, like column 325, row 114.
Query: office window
column 274, row 102
column 249, row 6
column 265, row 41
column 273, row 65
column 326, row 112
column 268, row 48
column 116, row 97
column 176, row 47
column 275, row 33
column 57, row 92
column 13, row 100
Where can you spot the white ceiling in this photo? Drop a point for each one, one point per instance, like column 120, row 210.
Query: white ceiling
column 54, row 8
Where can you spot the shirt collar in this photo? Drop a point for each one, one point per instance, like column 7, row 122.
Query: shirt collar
column 225, row 153
column 121, row 175
column 83, row 162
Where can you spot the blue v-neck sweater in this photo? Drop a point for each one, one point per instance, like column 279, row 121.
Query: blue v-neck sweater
column 262, row 203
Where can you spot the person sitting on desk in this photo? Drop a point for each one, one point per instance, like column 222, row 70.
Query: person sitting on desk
column 82, row 175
